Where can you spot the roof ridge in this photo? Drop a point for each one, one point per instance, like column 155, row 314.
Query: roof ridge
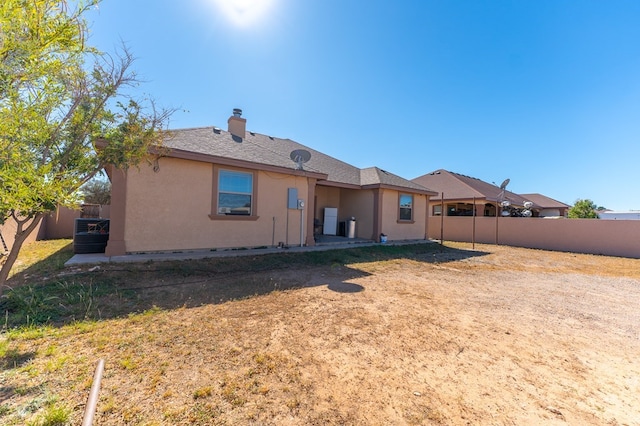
column 194, row 128
column 186, row 129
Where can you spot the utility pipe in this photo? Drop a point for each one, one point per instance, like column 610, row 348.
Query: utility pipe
column 92, row 402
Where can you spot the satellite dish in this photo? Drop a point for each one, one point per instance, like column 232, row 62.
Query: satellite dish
column 300, row 156
column 504, row 184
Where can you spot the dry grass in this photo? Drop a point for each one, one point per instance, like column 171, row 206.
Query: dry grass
column 530, row 260
column 42, row 256
column 496, row 336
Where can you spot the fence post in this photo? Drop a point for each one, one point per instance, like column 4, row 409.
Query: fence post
column 473, row 230
column 92, row 402
column 497, row 215
column 442, row 218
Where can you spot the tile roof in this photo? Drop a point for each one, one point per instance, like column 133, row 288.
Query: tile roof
column 262, row 149
column 460, row 187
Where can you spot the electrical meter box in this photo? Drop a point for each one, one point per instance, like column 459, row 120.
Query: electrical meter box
column 292, row 198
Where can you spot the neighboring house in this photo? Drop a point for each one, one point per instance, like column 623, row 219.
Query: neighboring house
column 547, row 207
column 613, row 215
column 217, row 189
column 462, row 193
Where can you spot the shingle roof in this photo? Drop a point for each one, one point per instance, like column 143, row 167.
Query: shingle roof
column 267, row 150
column 377, row 176
column 545, row 202
column 460, row 187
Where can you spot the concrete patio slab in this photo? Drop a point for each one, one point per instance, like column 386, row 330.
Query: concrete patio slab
column 95, row 258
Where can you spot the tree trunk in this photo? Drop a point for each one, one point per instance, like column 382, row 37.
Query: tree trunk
column 21, row 237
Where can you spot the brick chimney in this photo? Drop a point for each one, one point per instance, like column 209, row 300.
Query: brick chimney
column 237, row 124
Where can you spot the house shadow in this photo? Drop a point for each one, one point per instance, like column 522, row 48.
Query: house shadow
column 114, row 290
column 204, row 287
column 42, row 270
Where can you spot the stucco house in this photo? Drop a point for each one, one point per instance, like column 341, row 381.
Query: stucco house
column 461, row 192
column 548, row 207
column 215, row 189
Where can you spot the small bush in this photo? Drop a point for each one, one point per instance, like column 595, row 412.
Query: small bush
column 53, row 415
column 202, row 393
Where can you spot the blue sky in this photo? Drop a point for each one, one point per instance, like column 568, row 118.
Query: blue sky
column 544, row 92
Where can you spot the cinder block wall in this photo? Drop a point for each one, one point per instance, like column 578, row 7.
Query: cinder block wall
column 607, row 237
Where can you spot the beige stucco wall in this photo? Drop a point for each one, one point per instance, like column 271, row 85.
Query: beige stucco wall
column 350, row 203
column 326, row 196
column 403, row 231
column 9, row 229
column 460, row 228
column 608, row 237
column 358, row 204
column 169, row 210
column 60, row 223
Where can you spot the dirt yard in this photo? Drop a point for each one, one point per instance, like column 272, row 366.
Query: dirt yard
column 496, row 336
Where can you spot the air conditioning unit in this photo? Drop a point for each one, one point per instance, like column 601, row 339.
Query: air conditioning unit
column 90, row 235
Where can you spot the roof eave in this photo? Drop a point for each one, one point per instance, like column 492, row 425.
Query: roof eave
column 338, row 184
column 214, row 159
column 399, row 188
